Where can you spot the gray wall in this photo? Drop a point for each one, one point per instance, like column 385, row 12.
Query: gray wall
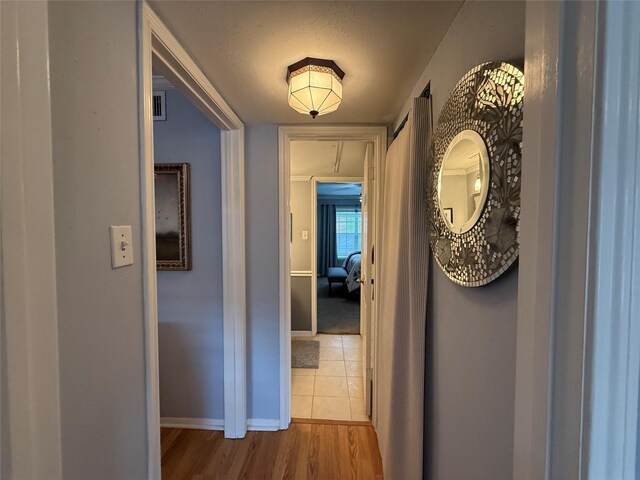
column 301, row 250
column 96, row 184
column 471, row 332
column 470, row 378
column 301, row 298
column 263, row 316
column 190, row 303
column 300, row 203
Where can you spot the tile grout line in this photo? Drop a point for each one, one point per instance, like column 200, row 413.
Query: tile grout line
column 313, row 395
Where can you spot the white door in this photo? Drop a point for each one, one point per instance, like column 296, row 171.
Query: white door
column 367, row 276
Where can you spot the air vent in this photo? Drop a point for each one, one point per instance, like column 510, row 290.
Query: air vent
column 159, row 111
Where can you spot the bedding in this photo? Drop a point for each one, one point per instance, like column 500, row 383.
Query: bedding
column 352, row 266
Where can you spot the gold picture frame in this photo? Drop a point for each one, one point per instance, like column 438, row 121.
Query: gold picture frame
column 173, row 216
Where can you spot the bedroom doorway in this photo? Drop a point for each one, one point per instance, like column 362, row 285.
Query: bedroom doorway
column 338, row 247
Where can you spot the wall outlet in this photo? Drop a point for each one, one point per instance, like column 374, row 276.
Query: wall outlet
column 121, row 247
column 305, row 234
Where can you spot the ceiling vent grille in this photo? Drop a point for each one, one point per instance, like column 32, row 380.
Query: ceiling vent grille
column 159, row 104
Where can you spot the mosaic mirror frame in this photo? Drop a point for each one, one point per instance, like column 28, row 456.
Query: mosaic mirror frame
column 488, row 99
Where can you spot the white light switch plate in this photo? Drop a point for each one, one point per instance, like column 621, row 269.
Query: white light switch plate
column 305, row 234
column 121, row 247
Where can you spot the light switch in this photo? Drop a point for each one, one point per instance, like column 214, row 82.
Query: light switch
column 121, row 248
column 305, row 234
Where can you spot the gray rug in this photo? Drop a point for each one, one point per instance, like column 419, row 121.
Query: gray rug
column 340, row 313
column 305, row 354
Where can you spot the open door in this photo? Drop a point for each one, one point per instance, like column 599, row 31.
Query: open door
column 367, row 275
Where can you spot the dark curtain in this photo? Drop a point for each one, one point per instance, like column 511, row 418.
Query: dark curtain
column 327, row 256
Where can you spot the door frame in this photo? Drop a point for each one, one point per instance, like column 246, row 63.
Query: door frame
column 368, row 276
column 576, row 395
column 159, row 46
column 286, row 134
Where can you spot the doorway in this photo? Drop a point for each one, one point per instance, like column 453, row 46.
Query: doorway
column 189, row 261
column 338, row 248
column 161, row 53
column 356, row 351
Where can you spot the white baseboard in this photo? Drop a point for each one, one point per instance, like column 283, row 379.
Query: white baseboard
column 301, row 333
column 195, row 423
column 263, row 424
column 255, row 424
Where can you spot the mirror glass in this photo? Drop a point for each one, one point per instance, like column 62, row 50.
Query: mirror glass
column 463, row 181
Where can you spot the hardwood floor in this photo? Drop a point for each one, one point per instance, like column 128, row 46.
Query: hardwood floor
column 304, row 451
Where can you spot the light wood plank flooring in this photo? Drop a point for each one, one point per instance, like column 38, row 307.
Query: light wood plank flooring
column 304, row 451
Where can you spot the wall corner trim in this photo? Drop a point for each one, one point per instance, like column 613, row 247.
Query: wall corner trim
column 29, row 289
column 234, row 282
column 576, row 408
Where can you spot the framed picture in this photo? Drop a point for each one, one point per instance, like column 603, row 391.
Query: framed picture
column 448, row 213
column 173, row 216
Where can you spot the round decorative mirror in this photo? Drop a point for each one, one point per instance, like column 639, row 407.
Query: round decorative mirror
column 463, row 181
column 474, row 203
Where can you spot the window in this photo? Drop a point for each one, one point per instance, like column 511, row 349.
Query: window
column 348, row 231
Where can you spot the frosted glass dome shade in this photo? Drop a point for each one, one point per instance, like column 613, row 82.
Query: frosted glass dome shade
column 315, row 86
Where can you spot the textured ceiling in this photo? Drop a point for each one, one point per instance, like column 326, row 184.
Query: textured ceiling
column 245, row 47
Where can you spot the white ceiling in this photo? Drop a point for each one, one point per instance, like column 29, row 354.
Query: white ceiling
column 464, row 155
column 244, row 48
column 319, row 158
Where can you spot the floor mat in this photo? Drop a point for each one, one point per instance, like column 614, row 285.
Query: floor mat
column 305, row 354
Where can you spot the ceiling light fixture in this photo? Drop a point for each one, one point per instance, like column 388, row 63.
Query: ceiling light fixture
column 477, row 184
column 315, row 86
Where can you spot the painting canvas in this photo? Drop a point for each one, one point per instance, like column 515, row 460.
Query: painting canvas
column 173, row 219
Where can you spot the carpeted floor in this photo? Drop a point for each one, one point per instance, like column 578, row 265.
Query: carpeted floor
column 339, row 314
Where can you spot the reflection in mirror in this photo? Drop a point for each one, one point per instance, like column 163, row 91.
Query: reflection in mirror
column 463, row 181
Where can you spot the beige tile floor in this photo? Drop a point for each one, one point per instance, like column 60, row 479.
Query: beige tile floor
column 335, row 390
